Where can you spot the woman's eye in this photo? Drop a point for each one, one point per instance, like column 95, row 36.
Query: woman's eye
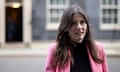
column 81, row 22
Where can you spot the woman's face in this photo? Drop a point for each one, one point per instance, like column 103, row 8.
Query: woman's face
column 78, row 28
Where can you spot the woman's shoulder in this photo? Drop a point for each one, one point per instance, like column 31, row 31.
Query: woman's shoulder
column 52, row 46
column 99, row 44
column 100, row 48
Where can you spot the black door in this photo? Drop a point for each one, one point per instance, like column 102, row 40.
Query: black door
column 14, row 25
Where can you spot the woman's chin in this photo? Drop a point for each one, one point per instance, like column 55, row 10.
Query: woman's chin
column 79, row 40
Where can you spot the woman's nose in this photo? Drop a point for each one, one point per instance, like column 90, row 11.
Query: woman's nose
column 79, row 26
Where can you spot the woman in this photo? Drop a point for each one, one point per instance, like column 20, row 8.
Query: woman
column 75, row 50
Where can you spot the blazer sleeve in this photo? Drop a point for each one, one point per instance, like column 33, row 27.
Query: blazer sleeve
column 50, row 58
column 104, row 64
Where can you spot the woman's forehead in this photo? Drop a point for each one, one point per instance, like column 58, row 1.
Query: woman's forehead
column 77, row 15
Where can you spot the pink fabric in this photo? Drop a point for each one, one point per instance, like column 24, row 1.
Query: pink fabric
column 95, row 66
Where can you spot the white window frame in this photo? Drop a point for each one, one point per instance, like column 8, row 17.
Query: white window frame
column 53, row 26
column 109, row 26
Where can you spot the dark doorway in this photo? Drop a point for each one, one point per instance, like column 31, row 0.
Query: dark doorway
column 14, row 24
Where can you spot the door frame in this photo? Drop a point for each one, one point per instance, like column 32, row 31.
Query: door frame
column 27, row 16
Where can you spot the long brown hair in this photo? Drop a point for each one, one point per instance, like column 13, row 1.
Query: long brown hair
column 64, row 42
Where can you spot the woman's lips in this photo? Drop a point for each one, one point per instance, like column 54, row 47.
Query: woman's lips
column 78, row 33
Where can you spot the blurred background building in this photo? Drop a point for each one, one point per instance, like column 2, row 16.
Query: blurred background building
column 27, row 22
column 27, row 27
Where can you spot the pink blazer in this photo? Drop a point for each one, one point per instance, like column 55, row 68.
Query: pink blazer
column 95, row 66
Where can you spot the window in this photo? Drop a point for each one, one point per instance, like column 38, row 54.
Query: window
column 110, row 15
column 54, row 11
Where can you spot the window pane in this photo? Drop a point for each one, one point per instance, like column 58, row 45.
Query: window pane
column 116, row 1
column 115, row 20
column 107, row 2
column 113, row 2
column 107, row 20
column 103, row 1
column 114, row 15
column 110, row 2
column 53, row 11
column 58, row 2
column 56, row 11
column 53, row 2
column 106, row 12
column 62, row 2
column 54, row 20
